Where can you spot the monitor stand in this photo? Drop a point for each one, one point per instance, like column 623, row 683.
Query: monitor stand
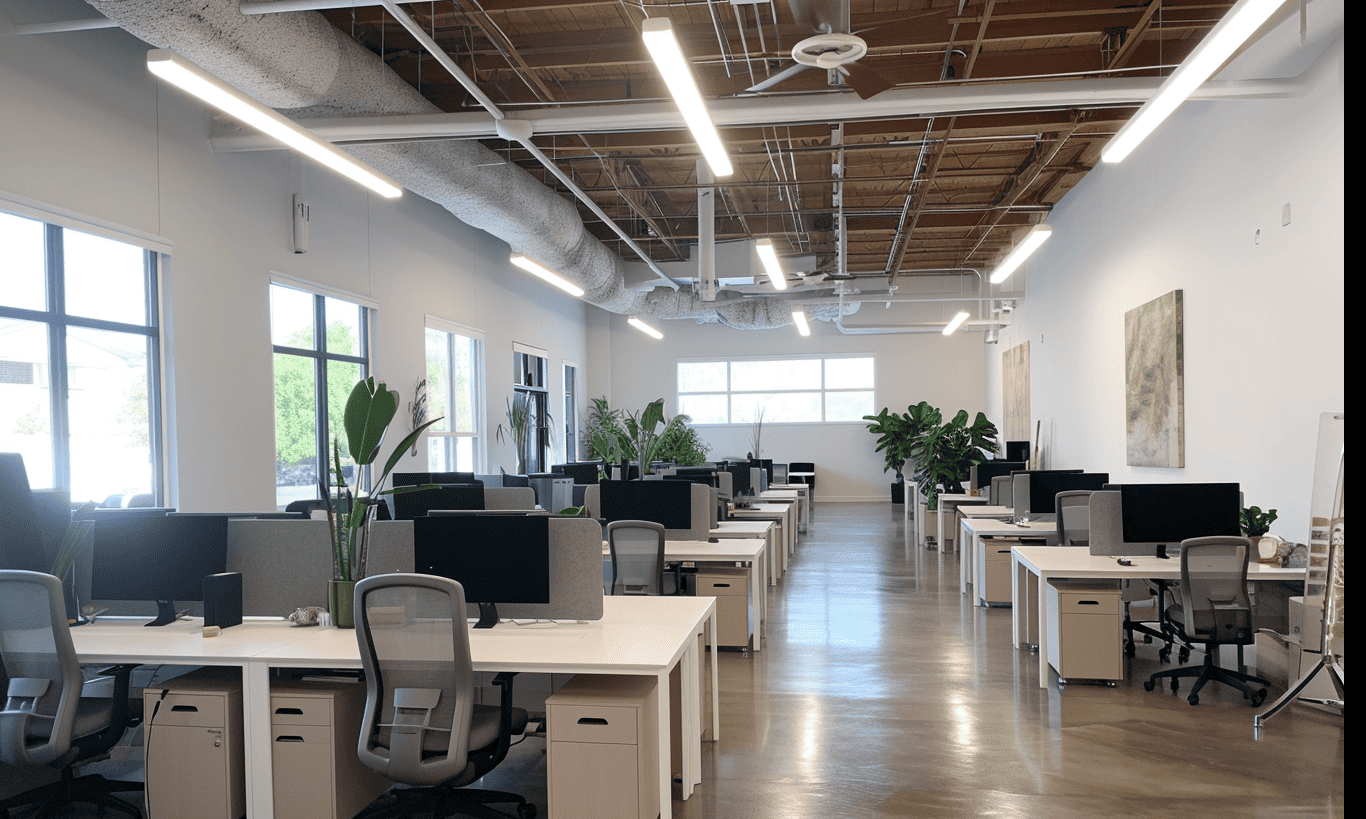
column 488, row 615
column 166, row 613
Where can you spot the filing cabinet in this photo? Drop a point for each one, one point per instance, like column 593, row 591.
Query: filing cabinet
column 1084, row 621
column 730, row 587
column 192, row 747
column 603, row 748
column 314, row 727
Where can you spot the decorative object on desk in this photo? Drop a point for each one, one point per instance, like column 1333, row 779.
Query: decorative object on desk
column 574, row 512
column 1154, row 379
column 369, row 410
column 417, row 409
column 521, row 418
column 1255, row 523
column 945, row 455
column 897, row 434
column 306, row 615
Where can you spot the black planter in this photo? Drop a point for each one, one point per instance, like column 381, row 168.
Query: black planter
column 899, row 492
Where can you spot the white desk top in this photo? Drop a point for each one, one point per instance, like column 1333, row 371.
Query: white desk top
column 990, row 527
column 741, row 528
column 985, row 511
column 1077, row 561
column 728, row 550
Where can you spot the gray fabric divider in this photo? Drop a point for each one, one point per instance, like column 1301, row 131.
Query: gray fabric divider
column 702, row 503
column 285, row 564
column 509, row 497
column 1107, row 525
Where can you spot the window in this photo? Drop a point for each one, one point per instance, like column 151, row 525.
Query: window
column 571, row 413
column 79, row 361
column 530, row 377
column 786, row 390
column 322, row 348
column 455, row 390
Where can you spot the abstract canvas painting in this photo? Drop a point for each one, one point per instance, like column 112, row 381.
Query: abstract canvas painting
column 1015, row 393
column 1154, row 380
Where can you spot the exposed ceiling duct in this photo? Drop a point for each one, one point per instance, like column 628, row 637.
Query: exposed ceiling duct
column 298, row 63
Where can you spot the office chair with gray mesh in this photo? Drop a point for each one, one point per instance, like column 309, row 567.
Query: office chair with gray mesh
column 637, row 548
column 1214, row 610
column 1000, row 491
column 421, row 726
column 46, row 721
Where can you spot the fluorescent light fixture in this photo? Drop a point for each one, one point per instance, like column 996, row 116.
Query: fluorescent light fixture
column 1228, row 36
column 546, row 275
column 799, row 318
column 644, row 328
column 769, row 257
column 663, row 46
column 955, row 323
column 1035, row 237
column 189, row 77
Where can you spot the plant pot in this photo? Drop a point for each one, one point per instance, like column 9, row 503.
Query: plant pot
column 899, row 492
column 341, row 602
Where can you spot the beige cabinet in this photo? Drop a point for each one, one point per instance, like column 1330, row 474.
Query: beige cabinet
column 603, row 748
column 996, row 591
column 730, row 587
column 1084, row 622
column 192, row 748
column 314, row 727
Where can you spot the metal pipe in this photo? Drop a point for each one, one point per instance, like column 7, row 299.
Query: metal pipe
column 442, row 57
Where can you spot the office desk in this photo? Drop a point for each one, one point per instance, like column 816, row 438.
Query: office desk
column 638, row 635
column 749, row 529
column 786, row 517
column 790, row 493
column 1034, row 566
column 972, row 555
column 948, row 506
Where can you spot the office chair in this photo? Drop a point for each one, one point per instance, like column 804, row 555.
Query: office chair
column 1214, row 610
column 1074, row 517
column 421, row 726
column 804, row 466
column 637, row 548
column 46, row 721
column 1000, row 491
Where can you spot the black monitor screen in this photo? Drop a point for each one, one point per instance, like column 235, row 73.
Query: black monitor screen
column 497, row 559
column 739, row 479
column 706, row 477
column 21, row 539
column 1045, row 486
column 156, row 557
column 1169, row 513
column 1017, row 450
column 413, row 505
column 668, row 503
column 994, row 469
column 582, row 473
column 765, row 464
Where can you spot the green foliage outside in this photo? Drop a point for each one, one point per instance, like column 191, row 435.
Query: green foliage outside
column 296, row 439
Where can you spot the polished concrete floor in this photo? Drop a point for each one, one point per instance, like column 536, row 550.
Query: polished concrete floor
column 881, row 693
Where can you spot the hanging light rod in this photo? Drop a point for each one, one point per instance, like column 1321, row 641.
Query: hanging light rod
column 189, row 77
column 955, row 322
column 1226, row 37
column 644, row 328
column 547, row 275
column 769, row 256
column 1035, row 237
column 668, row 56
column 799, row 318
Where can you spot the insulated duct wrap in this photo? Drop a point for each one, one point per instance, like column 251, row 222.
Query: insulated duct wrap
column 299, row 63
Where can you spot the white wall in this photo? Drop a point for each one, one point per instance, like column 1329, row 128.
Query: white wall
column 86, row 129
column 947, row 372
column 1199, row 207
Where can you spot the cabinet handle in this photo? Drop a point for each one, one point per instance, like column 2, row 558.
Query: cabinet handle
column 1088, row 602
column 289, row 739
column 294, row 712
column 190, row 708
column 592, row 721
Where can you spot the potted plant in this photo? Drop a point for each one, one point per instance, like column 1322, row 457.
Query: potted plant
column 520, row 426
column 1255, row 524
column 944, row 454
column 369, row 410
column 897, row 434
column 642, row 436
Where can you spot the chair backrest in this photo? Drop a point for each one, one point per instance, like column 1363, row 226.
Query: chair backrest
column 44, row 674
column 637, row 556
column 415, row 649
column 1000, row 491
column 1074, row 517
column 1214, row 601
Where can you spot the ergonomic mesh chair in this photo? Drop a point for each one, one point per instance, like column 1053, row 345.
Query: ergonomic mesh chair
column 421, row 726
column 1214, row 610
column 637, row 548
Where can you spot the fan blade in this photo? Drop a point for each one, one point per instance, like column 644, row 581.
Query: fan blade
column 787, row 73
column 865, row 81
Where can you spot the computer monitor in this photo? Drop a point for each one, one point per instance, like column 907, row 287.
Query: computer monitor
column 1045, row 486
column 21, row 538
column 161, row 558
column 981, row 474
column 765, row 464
column 1156, row 517
column 498, row 559
column 706, row 477
column 1019, row 487
column 1017, row 451
column 739, row 479
column 443, row 478
column 414, row 505
column 668, row 503
column 582, row 472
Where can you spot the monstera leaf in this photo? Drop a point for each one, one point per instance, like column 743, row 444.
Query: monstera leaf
column 368, row 412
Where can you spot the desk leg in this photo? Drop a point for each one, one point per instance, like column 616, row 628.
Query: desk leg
column 757, row 594
column 771, row 553
column 1041, row 606
column 665, row 739
column 715, row 687
column 260, row 774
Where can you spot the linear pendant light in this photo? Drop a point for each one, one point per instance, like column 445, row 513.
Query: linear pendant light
column 1035, row 237
column 955, row 323
column 659, row 38
column 189, row 77
column 769, row 257
column 644, row 328
column 1228, row 36
column 799, row 318
column 547, row 275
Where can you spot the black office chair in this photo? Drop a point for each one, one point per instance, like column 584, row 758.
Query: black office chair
column 803, row 466
column 421, row 726
column 637, row 548
column 46, row 720
column 1214, row 610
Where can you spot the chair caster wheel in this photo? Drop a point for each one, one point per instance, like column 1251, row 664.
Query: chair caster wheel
column 1259, row 698
column 526, row 812
column 1129, row 649
column 1193, row 699
column 1147, row 638
column 1148, row 685
column 1183, row 655
column 1176, row 685
column 1164, row 655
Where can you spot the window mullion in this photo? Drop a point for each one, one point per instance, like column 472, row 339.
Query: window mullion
column 320, row 390
column 57, row 371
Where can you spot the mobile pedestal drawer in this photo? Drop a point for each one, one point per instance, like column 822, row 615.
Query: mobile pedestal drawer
column 1084, row 619
column 192, row 748
column 603, row 749
column 730, row 587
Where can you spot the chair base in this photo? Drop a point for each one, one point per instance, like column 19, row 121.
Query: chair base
column 1209, row 671
column 91, row 789
column 401, row 803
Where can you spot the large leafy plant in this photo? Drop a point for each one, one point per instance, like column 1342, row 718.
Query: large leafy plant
column 945, row 454
column 643, row 435
column 369, row 410
column 898, row 432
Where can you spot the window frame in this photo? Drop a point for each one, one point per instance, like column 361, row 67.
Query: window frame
column 729, row 393
column 478, row 400
column 58, row 322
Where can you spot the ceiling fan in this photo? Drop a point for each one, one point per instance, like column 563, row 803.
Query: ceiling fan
column 832, row 47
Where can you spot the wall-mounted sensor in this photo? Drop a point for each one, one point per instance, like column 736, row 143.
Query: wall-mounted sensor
column 300, row 224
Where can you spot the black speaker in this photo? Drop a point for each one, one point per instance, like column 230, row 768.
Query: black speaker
column 223, row 599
